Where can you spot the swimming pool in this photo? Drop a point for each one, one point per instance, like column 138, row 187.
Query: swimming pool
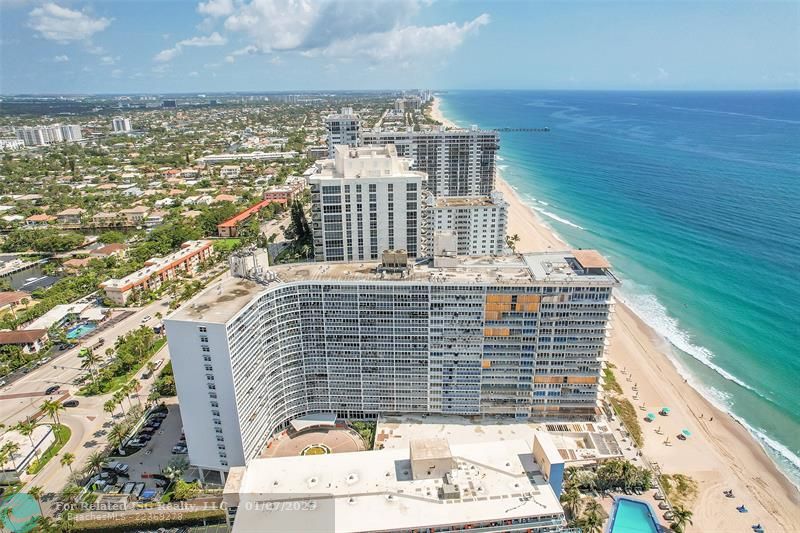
column 80, row 330
column 632, row 516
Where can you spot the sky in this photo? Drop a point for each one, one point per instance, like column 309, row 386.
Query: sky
column 162, row 46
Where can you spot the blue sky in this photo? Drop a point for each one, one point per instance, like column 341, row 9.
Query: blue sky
column 63, row 46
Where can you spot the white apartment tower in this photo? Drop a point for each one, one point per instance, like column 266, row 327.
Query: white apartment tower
column 342, row 128
column 42, row 135
column 458, row 162
column 522, row 336
column 71, row 132
column 478, row 222
column 363, row 202
column 121, row 125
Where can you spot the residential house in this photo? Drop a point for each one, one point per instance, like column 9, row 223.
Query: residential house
column 114, row 249
column 71, row 216
column 155, row 218
column 39, row 220
column 135, row 215
column 11, row 299
column 30, row 340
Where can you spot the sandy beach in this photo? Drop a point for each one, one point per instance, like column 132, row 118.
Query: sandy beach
column 720, row 454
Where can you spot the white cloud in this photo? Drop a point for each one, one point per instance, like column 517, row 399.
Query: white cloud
column 662, row 74
column 109, row 60
column 62, row 24
column 61, row 59
column 116, row 73
column 194, row 74
column 247, row 50
column 168, row 54
column 344, row 28
column 406, row 44
column 216, row 8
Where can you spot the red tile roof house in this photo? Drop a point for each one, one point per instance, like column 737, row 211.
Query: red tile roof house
column 108, row 250
column 10, row 299
column 230, row 228
column 30, row 340
column 39, row 220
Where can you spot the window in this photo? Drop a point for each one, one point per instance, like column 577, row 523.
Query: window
column 207, row 358
column 212, row 394
column 202, row 329
column 206, row 348
column 211, row 386
column 210, row 377
column 204, row 338
column 214, row 412
column 218, row 430
column 209, row 368
column 214, row 404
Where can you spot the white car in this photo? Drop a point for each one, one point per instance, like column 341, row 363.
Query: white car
column 146, row 319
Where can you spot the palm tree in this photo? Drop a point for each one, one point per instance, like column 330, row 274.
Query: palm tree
column 95, row 462
column 116, row 435
column 52, row 408
column 572, row 501
column 36, row 493
column 151, row 367
column 134, row 387
column 109, row 407
column 593, row 507
column 66, row 522
column 591, row 523
column 45, row 524
column 26, row 429
column 70, row 493
column 118, row 397
column 681, row 516
column 10, row 448
column 571, row 475
column 89, row 360
column 67, row 459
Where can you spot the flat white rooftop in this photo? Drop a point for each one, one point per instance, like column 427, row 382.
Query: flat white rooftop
column 222, row 300
column 374, row 491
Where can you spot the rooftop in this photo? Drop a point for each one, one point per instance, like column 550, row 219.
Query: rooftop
column 157, row 264
column 374, row 490
column 220, row 302
column 465, row 201
column 366, row 162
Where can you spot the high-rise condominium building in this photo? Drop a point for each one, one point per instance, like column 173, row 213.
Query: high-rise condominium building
column 71, row 132
column 458, row 162
column 121, row 125
column 41, row 135
column 365, row 201
column 479, row 223
column 518, row 335
column 343, row 128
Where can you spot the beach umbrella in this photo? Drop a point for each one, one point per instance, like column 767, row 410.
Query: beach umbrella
column 665, row 410
column 651, row 416
column 686, row 433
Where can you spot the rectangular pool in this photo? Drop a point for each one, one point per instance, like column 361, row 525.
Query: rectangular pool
column 632, row 516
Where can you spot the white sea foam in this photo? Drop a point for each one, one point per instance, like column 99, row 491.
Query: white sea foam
column 498, row 158
column 502, row 168
column 543, row 203
column 791, row 461
column 557, row 218
column 655, row 315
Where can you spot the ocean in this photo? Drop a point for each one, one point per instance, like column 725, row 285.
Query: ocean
column 695, row 199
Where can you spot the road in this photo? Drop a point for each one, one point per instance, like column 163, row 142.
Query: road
column 88, row 422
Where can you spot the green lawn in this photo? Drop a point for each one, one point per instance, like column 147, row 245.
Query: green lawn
column 62, row 433
column 225, row 245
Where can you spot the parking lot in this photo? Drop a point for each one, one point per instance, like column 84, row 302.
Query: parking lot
column 158, row 452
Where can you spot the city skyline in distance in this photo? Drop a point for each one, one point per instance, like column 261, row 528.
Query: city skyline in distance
column 217, row 46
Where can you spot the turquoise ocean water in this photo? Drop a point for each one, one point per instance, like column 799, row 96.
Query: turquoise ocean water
column 695, row 198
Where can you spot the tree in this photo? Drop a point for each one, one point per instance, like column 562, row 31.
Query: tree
column 109, row 407
column 511, row 241
column 9, row 449
column 184, row 490
column 52, row 408
column 681, row 517
column 572, row 501
column 151, row 367
column 36, row 493
column 117, row 434
column 89, row 359
column 110, row 237
column 26, row 429
column 67, row 459
column 175, row 468
column 95, row 461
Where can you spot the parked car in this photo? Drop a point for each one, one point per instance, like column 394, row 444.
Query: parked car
column 179, row 449
column 153, row 424
column 71, row 403
column 52, row 390
column 136, row 443
column 145, row 437
column 159, row 362
column 161, row 415
column 2, row 383
column 146, row 318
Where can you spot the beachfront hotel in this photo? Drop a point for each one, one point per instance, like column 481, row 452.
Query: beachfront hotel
column 458, row 162
column 431, row 485
column 479, row 223
column 365, row 201
column 343, row 129
column 521, row 336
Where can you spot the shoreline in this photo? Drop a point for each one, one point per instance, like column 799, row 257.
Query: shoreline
column 721, row 453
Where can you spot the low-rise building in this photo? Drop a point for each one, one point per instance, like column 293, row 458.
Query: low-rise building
column 114, row 249
column 157, row 270
column 230, row 227
column 109, row 220
column 432, row 485
column 229, row 171
column 282, row 193
column 39, row 220
column 30, row 340
column 10, row 299
column 71, row 216
column 135, row 215
column 154, row 218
